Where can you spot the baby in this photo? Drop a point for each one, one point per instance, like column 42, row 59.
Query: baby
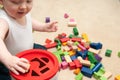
column 16, row 27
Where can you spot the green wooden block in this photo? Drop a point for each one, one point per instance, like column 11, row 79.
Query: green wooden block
column 76, row 43
column 103, row 78
column 92, row 65
column 58, row 55
column 58, row 47
column 74, row 36
column 58, row 42
column 65, row 53
column 71, row 36
column 108, row 52
column 79, row 76
column 75, row 31
column 92, row 58
column 119, row 54
column 97, row 75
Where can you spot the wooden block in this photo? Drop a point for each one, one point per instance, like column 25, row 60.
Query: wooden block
column 67, row 58
column 117, row 77
column 107, row 75
column 94, row 50
column 72, row 65
column 64, row 65
column 85, row 37
column 51, row 45
column 85, row 63
column 77, row 71
column 65, row 48
column 77, row 63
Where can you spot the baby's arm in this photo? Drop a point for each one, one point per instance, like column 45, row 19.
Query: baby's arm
column 13, row 63
column 44, row 27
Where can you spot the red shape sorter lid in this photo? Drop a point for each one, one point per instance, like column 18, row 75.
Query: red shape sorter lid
column 43, row 65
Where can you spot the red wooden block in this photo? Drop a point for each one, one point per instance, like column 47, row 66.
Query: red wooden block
column 72, row 65
column 48, row 41
column 64, row 39
column 51, row 45
column 76, row 39
column 64, row 34
column 77, row 63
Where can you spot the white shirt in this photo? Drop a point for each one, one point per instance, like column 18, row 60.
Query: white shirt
column 19, row 37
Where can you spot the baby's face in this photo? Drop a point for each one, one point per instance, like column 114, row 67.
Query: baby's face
column 17, row 8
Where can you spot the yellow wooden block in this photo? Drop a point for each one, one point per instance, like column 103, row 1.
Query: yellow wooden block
column 85, row 37
column 72, row 52
column 117, row 77
column 79, row 49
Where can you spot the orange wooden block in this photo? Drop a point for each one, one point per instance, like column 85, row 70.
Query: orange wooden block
column 77, row 71
column 64, row 43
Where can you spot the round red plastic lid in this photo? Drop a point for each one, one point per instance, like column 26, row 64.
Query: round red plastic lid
column 43, row 65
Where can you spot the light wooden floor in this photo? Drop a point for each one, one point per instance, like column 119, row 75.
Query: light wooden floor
column 100, row 19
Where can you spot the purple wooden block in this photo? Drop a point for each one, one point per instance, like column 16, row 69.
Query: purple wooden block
column 47, row 19
column 98, row 57
column 63, row 58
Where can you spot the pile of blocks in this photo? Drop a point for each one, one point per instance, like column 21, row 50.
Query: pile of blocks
column 77, row 52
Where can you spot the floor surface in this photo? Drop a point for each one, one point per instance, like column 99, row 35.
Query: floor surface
column 100, row 19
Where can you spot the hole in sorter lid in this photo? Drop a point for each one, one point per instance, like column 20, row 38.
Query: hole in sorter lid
column 44, row 70
column 41, row 64
column 34, row 73
column 45, row 59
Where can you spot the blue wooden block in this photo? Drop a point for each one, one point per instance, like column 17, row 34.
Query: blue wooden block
column 86, row 71
column 96, row 45
column 73, row 57
column 96, row 67
column 83, row 54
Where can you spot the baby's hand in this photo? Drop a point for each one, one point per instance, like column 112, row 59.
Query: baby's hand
column 18, row 65
column 51, row 27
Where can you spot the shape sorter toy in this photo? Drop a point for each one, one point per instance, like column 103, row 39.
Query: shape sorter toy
column 43, row 65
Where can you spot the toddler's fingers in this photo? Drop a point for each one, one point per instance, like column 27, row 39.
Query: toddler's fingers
column 53, row 23
column 24, row 65
column 54, row 29
column 20, row 69
column 24, row 60
column 14, row 71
